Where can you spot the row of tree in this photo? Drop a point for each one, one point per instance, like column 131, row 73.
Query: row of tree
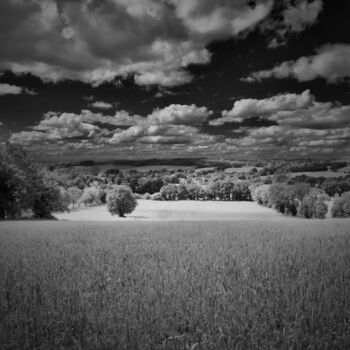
column 301, row 199
column 226, row 190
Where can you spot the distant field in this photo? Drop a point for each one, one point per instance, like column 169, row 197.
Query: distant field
column 175, row 285
column 242, row 169
column 145, row 167
column 326, row 174
column 346, row 169
column 177, row 210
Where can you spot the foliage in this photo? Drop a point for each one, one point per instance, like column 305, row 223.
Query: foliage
column 341, row 206
column 157, row 196
column 138, row 196
column 261, row 195
column 75, row 194
column 26, row 186
column 147, row 196
column 283, row 197
column 313, row 205
column 91, row 196
column 336, row 186
column 121, row 201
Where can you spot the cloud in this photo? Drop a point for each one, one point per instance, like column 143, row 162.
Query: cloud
column 101, row 105
column 6, row 89
column 96, row 41
column 295, row 110
column 249, row 108
column 293, row 17
column 179, row 114
column 170, row 125
column 304, row 14
column 331, row 62
column 286, row 141
column 152, row 133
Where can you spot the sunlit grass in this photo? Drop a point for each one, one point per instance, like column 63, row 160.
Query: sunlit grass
column 168, row 285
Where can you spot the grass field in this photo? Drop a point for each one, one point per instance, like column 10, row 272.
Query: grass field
column 177, row 210
column 245, row 284
column 326, row 174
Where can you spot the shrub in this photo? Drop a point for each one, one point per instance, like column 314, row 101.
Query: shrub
column 283, row 197
column 147, row 196
column 157, row 196
column 261, row 194
column 138, row 196
column 91, row 196
column 341, row 206
column 121, row 201
column 313, row 205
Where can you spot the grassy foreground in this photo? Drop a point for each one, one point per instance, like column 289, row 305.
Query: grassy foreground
column 175, row 285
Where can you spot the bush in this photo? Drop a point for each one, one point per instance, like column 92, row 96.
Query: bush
column 147, row 196
column 261, row 195
column 138, row 196
column 157, row 196
column 313, row 205
column 121, row 201
column 91, row 196
column 341, row 206
column 283, row 197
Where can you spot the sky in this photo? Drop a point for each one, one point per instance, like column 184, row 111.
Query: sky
column 134, row 79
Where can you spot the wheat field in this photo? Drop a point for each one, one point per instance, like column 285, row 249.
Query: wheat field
column 175, row 285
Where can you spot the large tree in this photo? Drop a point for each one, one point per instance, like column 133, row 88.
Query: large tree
column 24, row 187
column 121, row 201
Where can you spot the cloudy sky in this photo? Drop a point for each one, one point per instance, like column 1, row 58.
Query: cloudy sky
column 104, row 79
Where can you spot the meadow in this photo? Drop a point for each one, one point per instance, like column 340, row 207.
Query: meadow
column 242, row 284
column 176, row 210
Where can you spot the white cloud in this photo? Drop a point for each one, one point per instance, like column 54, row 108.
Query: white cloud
column 101, row 105
column 294, row 110
column 170, row 125
column 331, row 62
column 248, row 108
column 179, row 114
column 6, row 89
column 96, row 41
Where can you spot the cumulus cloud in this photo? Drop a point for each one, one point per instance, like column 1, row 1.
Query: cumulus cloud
column 295, row 110
column 101, row 105
column 331, row 62
column 249, row 108
column 175, row 124
column 6, row 89
column 179, row 114
column 152, row 133
column 95, row 41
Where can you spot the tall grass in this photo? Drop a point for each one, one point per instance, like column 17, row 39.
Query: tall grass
column 234, row 285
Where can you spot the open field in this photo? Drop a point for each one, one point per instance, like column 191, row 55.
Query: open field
column 326, row 174
column 145, row 168
column 177, row 210
column 239, row 170
column 171, row 285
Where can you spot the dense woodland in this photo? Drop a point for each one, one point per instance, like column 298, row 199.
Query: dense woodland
column 31, row 190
